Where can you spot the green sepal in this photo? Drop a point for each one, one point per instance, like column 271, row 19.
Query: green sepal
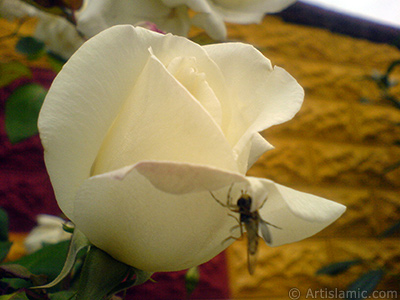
column 100, row 275
column 22, row 111
column 135, row 277
column 78, row 242
column 11, row 71
column 192, row 279
column 68, row 228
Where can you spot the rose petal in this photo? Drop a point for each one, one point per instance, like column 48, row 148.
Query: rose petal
column 88, row 93
column 181, row 178
column 261, row 96
column 122, row 213
column 298, row 215
column 252, row 151
column 162, row 121
column 81, row 104
column 184, row 69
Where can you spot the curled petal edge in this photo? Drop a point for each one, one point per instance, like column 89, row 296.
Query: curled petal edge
column 294, row 215
column 181, row 178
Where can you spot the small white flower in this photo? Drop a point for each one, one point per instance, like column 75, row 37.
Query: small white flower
column 172, row 15
column 97, row 15
column 48, row 231
column 139, row 127
column 213, row 13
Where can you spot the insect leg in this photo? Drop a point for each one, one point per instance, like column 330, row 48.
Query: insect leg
column 235, row 238
column 229, row 203
column 220, row 203
column 265, row 200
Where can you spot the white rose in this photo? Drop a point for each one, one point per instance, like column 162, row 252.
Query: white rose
column 139, row 127
column 48, row 231
column 172, row 15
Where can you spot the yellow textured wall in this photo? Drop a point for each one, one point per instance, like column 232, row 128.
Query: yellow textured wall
column 336, row 147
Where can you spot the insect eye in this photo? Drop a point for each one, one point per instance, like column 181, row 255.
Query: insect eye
column 244, row 202
column 241, row 202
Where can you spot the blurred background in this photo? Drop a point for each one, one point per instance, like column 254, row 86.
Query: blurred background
column 342, row 145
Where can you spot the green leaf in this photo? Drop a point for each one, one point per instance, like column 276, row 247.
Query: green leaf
column 20, row 272
column 3, row 225
column 338, row 268
column 78, row 242
column 11, row 71
column 100, row 275
column 63, row 295
column 364, row 285
column 192, row 279
column 48, row 261
column 22, row 111
column 31, row 47
column 4, row 249
column 17, row 283
column 15, row 296
column 14, row 271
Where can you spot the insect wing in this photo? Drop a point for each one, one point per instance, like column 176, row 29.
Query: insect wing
column 265, row 232
column 252, row 243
